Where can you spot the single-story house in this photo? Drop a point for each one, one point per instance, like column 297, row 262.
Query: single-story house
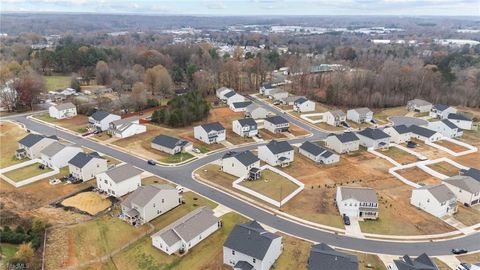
column 360, row 115
column 419, row 105
column 56, row 155
column 441, row 111
column 446, row 128
column 210, row 133
column 170, row 144
column 246, row 127
column 119, row 180
column 276, row 153
column 240, row 164
column 374, row 138
column 101, row 120
column 323, row 257
column 220, row 92
column 250, row 246
column 31, row 145
column 422, row 262
column 460, row 120
column 276, row 124
column 302, row 105
column 398, row 134
column 126, row 127
column 256, row 112
column 240, row 106
column 277, row 94
column 357, row 202
column 317, row 153
column 149, row 202
column 62, row 111
column 186, row 232
column 86, row 166
column 437, row 200
column 343, row 143
column 335, row 118
column 424, row 134
column 465, row 188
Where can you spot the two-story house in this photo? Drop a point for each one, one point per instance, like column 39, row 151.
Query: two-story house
column 398, row 134
column 374, row 138
column 62, row 111
column 357, row 202
column 460, row 120
column 318, row 154
column 170, row 145
column 343, row 143
column 57, row 155
column 465, row 188
column 119, row 180
column 100, row 120
column 31, row 145
column 419, row 105
column 437, row 200
column 360, row 115
column 210, row 133
column 246, row 127
column 441, row 111
column 240, row 164
column 276, row 124
column 85, row 166
column 335, row 118
column 276, row 153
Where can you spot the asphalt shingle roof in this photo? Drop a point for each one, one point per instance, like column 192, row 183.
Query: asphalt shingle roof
column 53, row 149
column 464, row 182
column 441, row 192
column 323, row 257
column 81, row 159
column 242, row 104
column 374, row 134
column 358, row 193
column 420, row 102
column 229, row 94
column 247, row 122
column 449, row 124
column 402, row 129
column 123, row 172
column 422, row 262
column 99, row 115
column 457, row 116
column 276, row 120
column 440, row 107
column 144, row 194
column 212, row 126
column 32, row 139
column 345, row 137
column 472, row 172
column 245, row 157
column 425, row 132
column 168, row 141
column 315, row 149
column 277, row 147
column 65, row 106
column 337, row 113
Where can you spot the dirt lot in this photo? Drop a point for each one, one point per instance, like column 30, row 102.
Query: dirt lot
column 399, row 155
column 468, row 215
column 90, row 202
column 10, row 134
column 470, row 258
column 428, row 151
column 418, row 175
column 77, row 123
column 452, row 146
column 445, row 168
column 271, row 185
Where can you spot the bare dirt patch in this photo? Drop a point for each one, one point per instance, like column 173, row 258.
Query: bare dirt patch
column 399, row 155
column 89, row 202
column 444, row 168
column 452, row 146
column 419, row 176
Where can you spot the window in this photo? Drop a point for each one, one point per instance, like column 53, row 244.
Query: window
column 158, row 212
column 233, row 252
column 153, row 204
column 254, row 260
column 163, row 200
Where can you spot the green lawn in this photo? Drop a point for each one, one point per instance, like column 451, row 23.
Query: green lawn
column 8, row 251
column 272, row 185
column 57, row 82
column 177, row 158
column 26, row 172
column 77, row 123
column 10, row 134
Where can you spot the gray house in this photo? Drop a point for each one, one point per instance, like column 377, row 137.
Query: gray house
column 323, row 257
column 317, row 153
column 31, row 145
column 86, row 166
column 419, row 105
column 256, row 112
column 422, row 262
column 276, row 124
column 472, row 172
column 170, row 144
column 374, row 138
column 343, row 143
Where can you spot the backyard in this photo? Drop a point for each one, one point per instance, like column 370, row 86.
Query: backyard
column 452, row 146
column 90, row 202
column 10, row 134
column 272, row 185
column 445, row 168
column 419, row 176
column 399, row 155
column 382, row 115
column 26, row 172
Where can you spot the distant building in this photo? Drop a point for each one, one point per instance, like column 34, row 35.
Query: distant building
column 126, row 127
column 302, row 105
column 62, row 111
column 419, row 105
column 465, row 188
column 357, row 202
column 323, row 257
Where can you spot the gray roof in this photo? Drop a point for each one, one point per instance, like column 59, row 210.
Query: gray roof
column 301, row 100
column 252, row 107
column 168, row 141
column 53, row 149
column 360, row 194
column 374, row 134
column 127, row 120
column 221, row 89
column 65, row 106
column 267, row 85
column 323, row 257
column 245, row 157
column 464, row 182
column 337, row 113
column 345, row 137
column 420, row 102
column 231, row 93
column 212, row 126
column 247, row 122
column 291, row 98
column 425, row 132
column 362, row 111
column 472, row 172
column 315, row 149
column 276, row 120
column 276, row 91
column 401, row 129
column 122, row 172
column 32, row 139
column 144, row 194
column 457, row 116
column 99, row 115
column 243, row 265
column 441, row 192
column 449, row 124
column 422, row 262
column 440, row 107
column 242, row 104
column 251, row 239
column 277, row 147
column 81, row 159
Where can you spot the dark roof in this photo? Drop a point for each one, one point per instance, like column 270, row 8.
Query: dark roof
column 241, row 104
column 230, row 94
column 81, row 159
column 300, row 100
column 422, row 262
column 251, row 239
column 425, row 132
column 247, row 122
column 449, row 124
column 32, row 139
column 345, row 137
column 441, row 107
column 401, row 129
column 374, row 134
column 243, row 265
column 457, row 116
column 277, row 147
column 168, row 141
column 212, row 126
column 99, row 115
column 315, row 149
column 245, row 157
column 323, row 257
column 267, row 85
column 276, row 120
column 472, row 172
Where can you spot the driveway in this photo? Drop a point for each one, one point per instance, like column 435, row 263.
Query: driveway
column 408, row 121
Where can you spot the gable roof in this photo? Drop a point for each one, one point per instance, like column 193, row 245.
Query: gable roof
column 457, row 116
column 422, row 262
column 251, row 239
column 420, row 102
column 122, row 172
column 252, row 107
column 168, row 141
column 424, row 132
column 360, row 194
column 345, row 137
column 440, row 107
column 99, row 115
column 81, row 159
column 276, row 120
column 362, row 111
column 401, row 129
column 472, row 172
column 337, row 113
column 32, row 139
column 144, row 194
column 246, row 157
column 53, row 149
column 449, row 124
column 315, row 149
column 323, row 257
column 374, row 134
column 247, row 122
column 229, row 94
column 221, row 89
column 440, row 192
column 242, row 104
column 65, row 106
column 300, row 100
column 464, row 182
column 212, row 126
column 123, row 121
column 277, row 147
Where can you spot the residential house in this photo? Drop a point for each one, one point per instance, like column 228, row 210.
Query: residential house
column 250, row 246
column 186, row 232
column 302, row 105
column 419, row 105
column 149, row 202
column 276, row 124
column 124, row 128
column 374, row 138
column 277, row 94
column 220, row 92
column 210, row 133
column 323, row 257
column 31, row 145
column 170, row 144
column 85, row 166
column 119, row 180
column 232, row 97
column 240, row 106
column 357, row 202
column 276, row 153
column 465, row 188
column 101, row 120
column 62, row 111
column 446, row 128
column 290, row 100
column 56, row 155
column 343, row 143
column 256, row 112
column 437, row 200
column 472, row 172
column 317, row 153
column 422, row 262
column 424, row 134
column 246, row 127
column 335, row 118
column 460, row 120
column 240, row 164
column 265, row 89
column 398, row 134
column 441, row 111
column 360, row 115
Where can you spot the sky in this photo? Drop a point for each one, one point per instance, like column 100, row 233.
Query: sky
column 251, row 7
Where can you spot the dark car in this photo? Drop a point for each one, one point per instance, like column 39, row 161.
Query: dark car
column 459, row 251
column 411, row 144
column 151, row 162
column 346, row 220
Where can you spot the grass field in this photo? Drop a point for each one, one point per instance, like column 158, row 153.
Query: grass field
column 470, row 258
column 468, row 215
column 10, row 134
column 445, row 168
column 177, row 158
column 89, row 202
column 272, row 185
column 77, row 123
column 26, row 172
column 7, row 251
column 57, row 82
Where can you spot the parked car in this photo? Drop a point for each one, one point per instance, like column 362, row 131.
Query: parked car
column 196, row 150
column 258, row 135
column 411, row 144
column 459, row 251
column 346, row 220
column 276, row 102
column 152, row 162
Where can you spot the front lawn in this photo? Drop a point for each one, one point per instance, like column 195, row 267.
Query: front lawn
column 7, row 251
column 10, row 134
column 177, row 158
column 26, row 172
column 77, row 123
column 272, row 185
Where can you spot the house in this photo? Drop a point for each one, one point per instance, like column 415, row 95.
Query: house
column 437, row 200
column 56, row 155
column 419, row 105
column 210, row 133
column 335, row 118
column 246, row 127
column 276, row 153
column 446, row 128
column 465, row 188
column 277, row 94
column 186, row 232
column 302, row 105
column 441, row 111
column 461, row 121
column 290, row 100
column 101, row 120
column 276, row 124
column 85, row 166
column 360, row 115
column 357, row 202
column 232, row 97
column 317, row 153
column 240, row 164
column 472, row 172
column 31, row 145
column 398, row 134
column 374, row 138
column 220, row 92
column 124, row 128
column 240, row 106
column 424, row 134
column 170, row 144
column 119, row 180
column 323, row 257
column 256, row 112
column 149, row 202
column 422, row 262
column 62, row 111
column 265, row 88
column 250, row 246
column 343, row 143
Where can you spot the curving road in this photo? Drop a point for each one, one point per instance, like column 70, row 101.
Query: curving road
column 182, row 175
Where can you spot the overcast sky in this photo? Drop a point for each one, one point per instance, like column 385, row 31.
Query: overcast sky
column 252, row 7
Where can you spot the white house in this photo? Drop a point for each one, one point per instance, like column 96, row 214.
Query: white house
column 276, row 124
column 265, row 89
column 240, row 164
column 170, row 144
column 446, row 128
column 357, row 202
column 419, row 105
column 220, row 92
column 85, row 166
column 290, row 100
column 343, row 143
column 360, row 115
column 149, row 202
column 441, row 111
column 232, row 97
column 277, row 94
column 374, row 138
column 465, row 188
column 250, row 246
column 256, row 112
column 62, row 111
column 186, row 232
column 240, row 106
column 317, row 153
column 461, row 121
column 101, row 120
column 335, row 118
column 302, row 105
column 31, row 145
column 424, row 134
column 437, row 200
column 57, row 155
column 246, row 127
column 210, row 133
column 422, row 262
column 119, row 180
column 126, row 127
column 398, row 134
column 276, row 153
column 323, row 257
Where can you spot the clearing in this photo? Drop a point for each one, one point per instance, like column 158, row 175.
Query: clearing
column 26, row 172
column 272, row 185
column 90, row 202
column 399, row 155
column 419, row 176
column 57, row 82
column 10, row 134
column 445, row 168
